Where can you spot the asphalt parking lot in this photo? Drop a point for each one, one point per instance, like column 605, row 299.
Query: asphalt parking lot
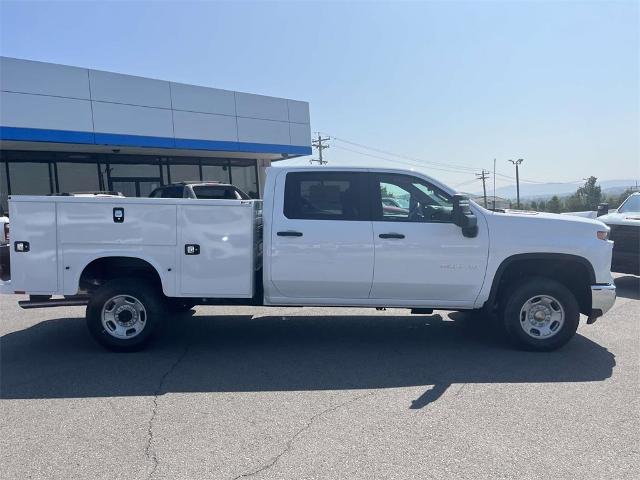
column 318, row 393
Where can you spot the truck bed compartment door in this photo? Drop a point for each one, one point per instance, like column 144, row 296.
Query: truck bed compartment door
column 36, row 270
column 216, row 250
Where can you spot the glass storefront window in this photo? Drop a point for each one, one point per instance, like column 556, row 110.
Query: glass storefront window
column 218, row 173
column 45, row 172
column 244, row 176
column 134, row 170
column 4, row 188
column 29, row 178
column 184, row 173
column 77, row 177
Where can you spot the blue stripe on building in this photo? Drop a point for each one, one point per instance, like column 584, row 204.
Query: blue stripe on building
column 66, row 136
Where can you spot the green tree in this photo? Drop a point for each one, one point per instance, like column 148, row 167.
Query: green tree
column 590, row 194
column 554, row 205
column 575, row 203
column 534, row 205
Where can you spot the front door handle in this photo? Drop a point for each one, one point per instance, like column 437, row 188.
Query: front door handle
column 289, row 234
column 391, row 235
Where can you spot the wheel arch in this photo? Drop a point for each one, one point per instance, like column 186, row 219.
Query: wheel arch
column 574, row 271
column 99, row 270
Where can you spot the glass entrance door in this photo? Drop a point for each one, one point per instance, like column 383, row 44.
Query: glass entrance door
column 134, row 186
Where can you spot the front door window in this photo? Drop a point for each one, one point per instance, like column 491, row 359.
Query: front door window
column 403, row 198
column 134, row 187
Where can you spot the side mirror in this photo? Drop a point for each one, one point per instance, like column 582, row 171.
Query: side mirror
column 603, row 209
column 464, row 217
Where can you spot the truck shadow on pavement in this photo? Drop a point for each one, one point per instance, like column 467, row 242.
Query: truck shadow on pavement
column 58, row 359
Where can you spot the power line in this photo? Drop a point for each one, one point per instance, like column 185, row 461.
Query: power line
column 393, row 160
column 420, row 161
column 445, row 167
column 465, row 183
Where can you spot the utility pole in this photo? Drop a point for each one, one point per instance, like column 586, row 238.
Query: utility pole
column 517, row 164
column 483, row 176
column 494, row 184
column 319, row 144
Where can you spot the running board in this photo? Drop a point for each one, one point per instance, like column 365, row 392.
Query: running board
column 421, row 311
column 54, row 302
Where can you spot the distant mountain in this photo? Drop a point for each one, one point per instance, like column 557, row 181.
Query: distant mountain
column 529, row 191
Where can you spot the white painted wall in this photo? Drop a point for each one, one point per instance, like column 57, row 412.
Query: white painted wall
column 253, row 130
column 202, row 99
column 57, row 97
column 132, row 120
column 40, row 111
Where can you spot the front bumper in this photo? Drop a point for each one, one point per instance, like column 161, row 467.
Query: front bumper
column 602, row 299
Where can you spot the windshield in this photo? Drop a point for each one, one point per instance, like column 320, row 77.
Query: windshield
column 631, row 204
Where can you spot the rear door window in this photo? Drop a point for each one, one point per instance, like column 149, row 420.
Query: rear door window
column 172, row 192
column 216, row 192
column 326, row 196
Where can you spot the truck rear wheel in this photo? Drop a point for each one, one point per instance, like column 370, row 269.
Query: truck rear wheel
column 124, row 314
column 540, row 314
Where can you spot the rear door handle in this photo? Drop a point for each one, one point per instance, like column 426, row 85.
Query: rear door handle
column 289, row 234
column 391, row 235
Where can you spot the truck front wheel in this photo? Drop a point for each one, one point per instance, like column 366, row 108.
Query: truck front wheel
column 124, row 314
column 540, row 314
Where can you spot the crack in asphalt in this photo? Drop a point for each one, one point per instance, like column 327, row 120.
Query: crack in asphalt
column 289, row 444
column 149, row 452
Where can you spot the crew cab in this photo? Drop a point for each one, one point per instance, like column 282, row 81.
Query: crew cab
column 322, row 238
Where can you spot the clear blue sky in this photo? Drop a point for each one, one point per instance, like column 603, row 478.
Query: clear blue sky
column 459, row 83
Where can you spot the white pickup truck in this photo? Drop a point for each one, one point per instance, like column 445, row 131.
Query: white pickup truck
column 323, row 238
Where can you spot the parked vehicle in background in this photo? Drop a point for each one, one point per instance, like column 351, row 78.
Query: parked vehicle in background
column 329, row 240
column 201, row 190
column 4, row 229
column 97, row 194
column 624, row 223
column 392, row 206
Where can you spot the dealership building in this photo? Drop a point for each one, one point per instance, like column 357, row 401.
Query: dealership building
column 68, row 129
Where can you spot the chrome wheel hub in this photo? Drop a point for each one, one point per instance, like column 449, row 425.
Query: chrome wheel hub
column 542, row 316
column 123, row 316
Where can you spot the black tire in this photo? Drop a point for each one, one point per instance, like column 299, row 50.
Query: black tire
column 513, row 322
column 148, row 322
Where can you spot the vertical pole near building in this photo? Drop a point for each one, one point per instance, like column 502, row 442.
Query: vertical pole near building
column 319, row 144
column 494, row 184
column 517, row 164
column 483, row 176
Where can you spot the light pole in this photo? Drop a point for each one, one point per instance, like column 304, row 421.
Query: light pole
column 517, row 163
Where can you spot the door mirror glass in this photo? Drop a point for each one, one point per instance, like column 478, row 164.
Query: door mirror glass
column 464, row 217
